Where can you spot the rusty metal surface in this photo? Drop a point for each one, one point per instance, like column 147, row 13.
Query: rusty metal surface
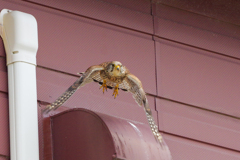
column 83, row 134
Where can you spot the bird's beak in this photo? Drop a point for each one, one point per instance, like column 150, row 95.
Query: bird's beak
column 117, row 67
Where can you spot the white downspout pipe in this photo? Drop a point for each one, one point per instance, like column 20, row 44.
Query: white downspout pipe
column 19, row 34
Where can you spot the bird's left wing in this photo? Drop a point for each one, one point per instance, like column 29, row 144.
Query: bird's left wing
column 85, row 78
column 134, row 85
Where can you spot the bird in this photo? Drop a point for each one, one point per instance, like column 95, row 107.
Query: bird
column 112, row 75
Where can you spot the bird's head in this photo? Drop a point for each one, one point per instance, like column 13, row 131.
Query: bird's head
column 116, row 68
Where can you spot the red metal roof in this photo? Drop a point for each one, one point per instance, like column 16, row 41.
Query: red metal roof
column 83, row 134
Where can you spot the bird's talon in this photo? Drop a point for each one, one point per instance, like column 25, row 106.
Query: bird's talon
column 115, row 92
column 104, row 86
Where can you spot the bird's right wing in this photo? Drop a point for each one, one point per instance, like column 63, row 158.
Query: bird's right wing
column 85, row 78
column 134, row 85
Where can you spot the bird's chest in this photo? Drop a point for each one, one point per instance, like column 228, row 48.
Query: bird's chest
column 109, row 77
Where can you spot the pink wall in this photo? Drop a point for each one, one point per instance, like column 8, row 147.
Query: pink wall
column 187, row 62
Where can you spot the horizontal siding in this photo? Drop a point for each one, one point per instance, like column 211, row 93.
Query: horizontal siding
column 3, row 74
column 93, row 44
column 107, row 12
column 2, row 50
column 198, row 124
column 196, row 21
column 4, row 118
column 198, row 31
column 184, row 149
column 4, row 158
column 219, row 9
column 198, row 78
column 105, row 43
column 4, row 125
column 198, row 64
column 136, row 5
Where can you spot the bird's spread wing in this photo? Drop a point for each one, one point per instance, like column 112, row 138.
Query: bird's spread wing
column 134, row 85
column 84, row 79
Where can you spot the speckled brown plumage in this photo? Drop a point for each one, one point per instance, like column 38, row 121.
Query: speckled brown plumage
column 115, row 76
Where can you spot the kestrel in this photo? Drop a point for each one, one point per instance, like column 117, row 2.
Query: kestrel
column 115, row 76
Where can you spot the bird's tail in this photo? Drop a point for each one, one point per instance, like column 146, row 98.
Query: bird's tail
column 151, row 122
column 64, row 97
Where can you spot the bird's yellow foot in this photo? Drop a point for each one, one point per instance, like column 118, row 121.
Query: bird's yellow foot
column 104, row 85
column 115, row 92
